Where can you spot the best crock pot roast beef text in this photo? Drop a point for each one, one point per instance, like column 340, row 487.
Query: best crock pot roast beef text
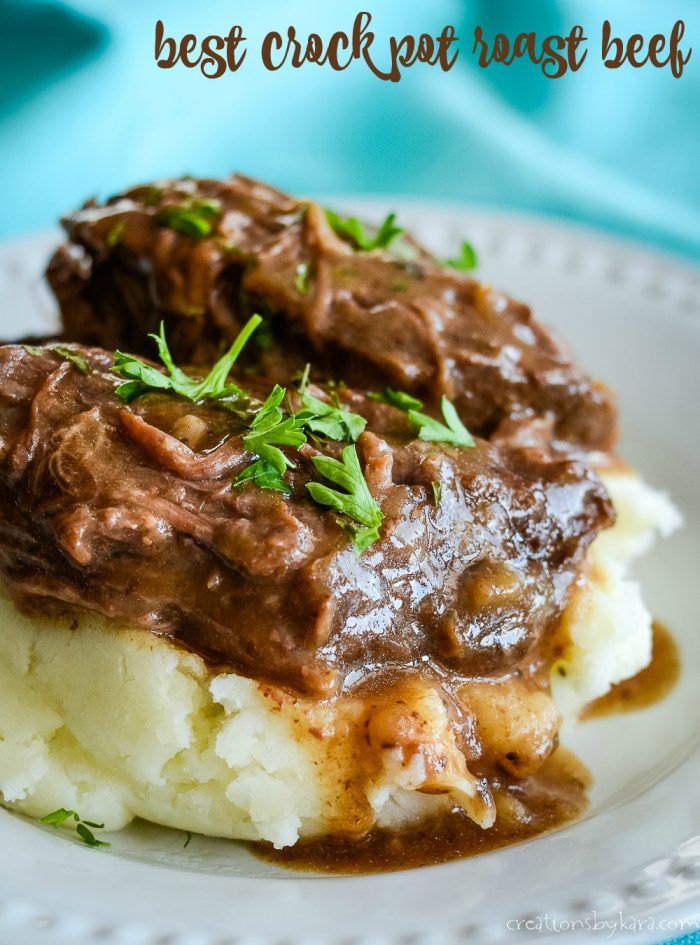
column 203, row 255
column 104, row 506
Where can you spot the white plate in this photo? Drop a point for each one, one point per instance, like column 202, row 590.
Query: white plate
column 633, row 317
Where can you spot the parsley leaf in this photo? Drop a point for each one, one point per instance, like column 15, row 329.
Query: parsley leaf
column 353, row 229
column 356, row 501
column 144, row 378
column 33, row 351
column 75, row 359
column 264, row 476
column 399, row 399
column 89, row 838
column 301, row 278
column 264, row 336
column 115, row 234
column 331, row 420
column 465, row 261
column 270, row 429
column 59, row 817
column 437, row 492
column 68, row 354
column 195, row 218
column 152, row 196
column 302, row 378
column 453, row 432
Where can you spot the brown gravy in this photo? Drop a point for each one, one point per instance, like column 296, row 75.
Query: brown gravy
column 556, row 795
column 648, row 687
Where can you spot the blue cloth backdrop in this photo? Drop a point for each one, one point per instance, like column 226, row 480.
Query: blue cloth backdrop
column 84, row 111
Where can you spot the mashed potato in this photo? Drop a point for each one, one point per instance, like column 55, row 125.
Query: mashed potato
column 118, row 724
column 607, row 622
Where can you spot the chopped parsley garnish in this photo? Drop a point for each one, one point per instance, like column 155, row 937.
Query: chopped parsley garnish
column 437, row 492
column 331, row 420
column 264, row 336
column 82, row 827
column 152, row 196
column 75, row 359
column 465, row 261
column 271, row 429
column 63, row 352
column 355, row 501
column 352, row 229
column 263, row 475
column 144, row 378
column 196, row 218
column 301, row 278
column 302, row 378
column 452, row 431
column 115, row 234
column 399, row 399
column 33, row 350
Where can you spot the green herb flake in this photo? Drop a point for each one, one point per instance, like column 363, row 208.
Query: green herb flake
column 355, row 501
column 404, row 251
column 61, row 351
column 264, row 336
column 352, row 229
column 77, row 360
column 271, row 429
column 229, row 248
column 188, row 840
column 115, row 234
column 144, row 378
column 195, row 218
column 152, row 196
column 398, row 398
column 33, row 350
column 263, row 475
column 437, row 493
column 59, row 817
column 330, row 420
column 302, row 379
column 302, row 278
column 465, row 261
column 452, row 432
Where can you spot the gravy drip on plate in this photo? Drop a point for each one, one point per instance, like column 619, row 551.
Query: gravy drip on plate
column 552, row 797
column 649, row 686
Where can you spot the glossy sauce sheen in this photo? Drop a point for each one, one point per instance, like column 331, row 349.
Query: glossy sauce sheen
column 549, row 799
column 103, row 506
column 648, row 687
column 554, row 796
column 372, row 319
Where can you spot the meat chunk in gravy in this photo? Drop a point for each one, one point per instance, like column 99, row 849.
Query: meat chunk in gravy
column 131, row 511
column 387, row 317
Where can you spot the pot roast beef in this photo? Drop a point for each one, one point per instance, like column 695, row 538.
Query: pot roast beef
column 202, row 255
column 131, row 511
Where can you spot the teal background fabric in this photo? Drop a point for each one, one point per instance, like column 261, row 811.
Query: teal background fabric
column 692, row 939
column 84, row 111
